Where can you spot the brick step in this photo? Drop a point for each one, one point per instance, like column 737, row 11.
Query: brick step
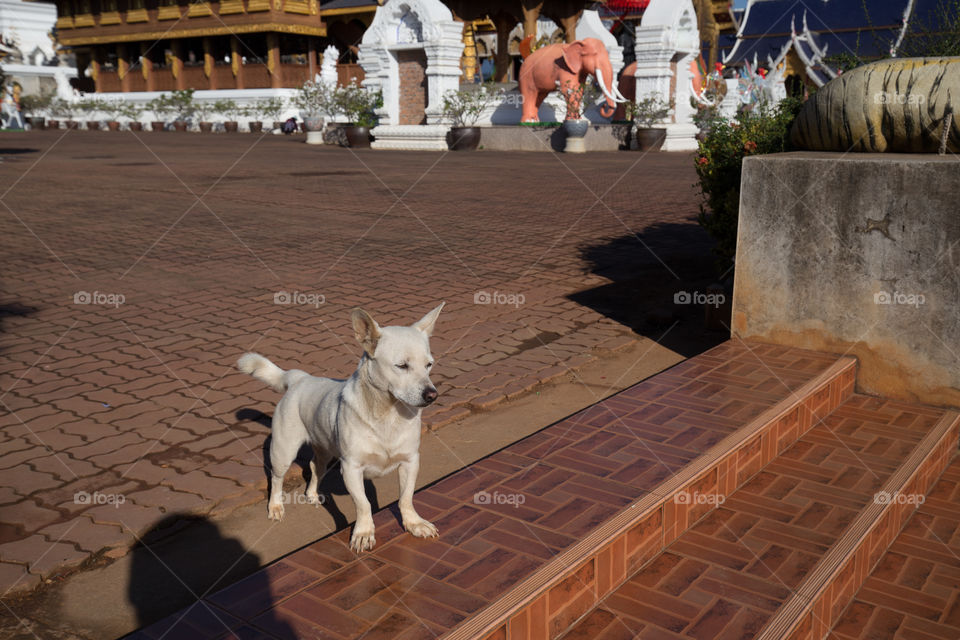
column 783, row 555
column 599, row 499
column 914, row 589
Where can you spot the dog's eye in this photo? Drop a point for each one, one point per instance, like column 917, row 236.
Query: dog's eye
column 403, row 366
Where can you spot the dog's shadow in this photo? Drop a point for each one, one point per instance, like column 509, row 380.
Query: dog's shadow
column 331, row 483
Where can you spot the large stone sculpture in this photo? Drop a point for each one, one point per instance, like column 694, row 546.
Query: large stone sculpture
column 566, row 66
column 898, row 105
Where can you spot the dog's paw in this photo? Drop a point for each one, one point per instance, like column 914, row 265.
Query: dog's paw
column 362, row 539
column 422, row 529
column 275, row 511
column 314, row 498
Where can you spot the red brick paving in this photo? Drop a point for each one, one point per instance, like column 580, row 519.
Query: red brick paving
column 914, row 592
column 572, row 476
column 122, row 400
column 730, row 572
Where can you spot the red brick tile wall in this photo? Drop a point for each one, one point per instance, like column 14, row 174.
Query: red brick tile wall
column 413, row 86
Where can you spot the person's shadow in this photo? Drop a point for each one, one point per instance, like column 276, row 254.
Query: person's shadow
column 178, row 563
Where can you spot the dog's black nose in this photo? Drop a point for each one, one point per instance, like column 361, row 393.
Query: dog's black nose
column 429, row 395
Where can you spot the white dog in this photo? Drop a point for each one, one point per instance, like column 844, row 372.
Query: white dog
column 370, row 421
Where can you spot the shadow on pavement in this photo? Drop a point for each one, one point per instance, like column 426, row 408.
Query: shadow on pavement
column 331, row 483
column 649, row 272
column 169, row 577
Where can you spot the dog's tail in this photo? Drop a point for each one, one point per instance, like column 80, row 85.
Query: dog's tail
column 263, row 370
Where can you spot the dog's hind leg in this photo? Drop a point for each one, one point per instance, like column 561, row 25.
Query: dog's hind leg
column 318, row 468
column 288, row 435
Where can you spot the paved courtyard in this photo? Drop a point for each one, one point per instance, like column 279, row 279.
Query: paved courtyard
column 138, row 268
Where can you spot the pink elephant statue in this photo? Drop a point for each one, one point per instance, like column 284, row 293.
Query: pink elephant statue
column 569, row 65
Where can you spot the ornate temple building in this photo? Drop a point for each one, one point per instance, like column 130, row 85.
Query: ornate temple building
column 811, row 43
column 163, row 45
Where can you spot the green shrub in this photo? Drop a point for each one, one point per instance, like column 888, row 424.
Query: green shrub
column 718, row 164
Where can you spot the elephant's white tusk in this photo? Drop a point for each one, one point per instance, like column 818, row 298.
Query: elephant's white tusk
column 622, row 97
column 608, row 92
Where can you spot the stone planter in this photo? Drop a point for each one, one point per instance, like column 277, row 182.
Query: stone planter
column 205, row 127
column 135, row 126
column 53, row 124
column 231, row 126
column 575, row 130
column 313, row 125
column 255, row 127
column 73, row 124
column 650, row 139
column 464, row 138
column 357, row 137
column 179, row 125
column 113, row 125
column 38, row 123
column 157, row 126
column 93, row 125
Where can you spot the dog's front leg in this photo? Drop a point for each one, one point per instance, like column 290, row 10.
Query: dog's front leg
column 362, row 538
column 412, row 521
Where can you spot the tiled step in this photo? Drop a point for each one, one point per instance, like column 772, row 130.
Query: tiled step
column 783, row 555
column 914, row 591
column 597, row 492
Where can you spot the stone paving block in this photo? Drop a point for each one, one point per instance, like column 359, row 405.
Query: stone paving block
column 84, row 533
column 41, row 556
column 15, row 578
column 199, row 483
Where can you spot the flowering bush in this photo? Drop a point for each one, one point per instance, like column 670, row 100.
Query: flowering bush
column 575, row 95
column 718, row 165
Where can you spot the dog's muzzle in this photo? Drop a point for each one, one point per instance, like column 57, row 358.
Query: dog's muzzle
column 429, row 395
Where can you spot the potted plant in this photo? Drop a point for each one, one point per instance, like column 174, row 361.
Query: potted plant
column 161, row 107
column 359, row 105
column 117, row 109
column 182, row 104
column 272, row 109
column 574, row 124
column 250, row 111
column 131, row 112
column 316, row 100
column 231, row 111
column 88, row 107
column 62, row 110
column 202, row 111
column 645, row 114
column 35, row 104
column 463, row 108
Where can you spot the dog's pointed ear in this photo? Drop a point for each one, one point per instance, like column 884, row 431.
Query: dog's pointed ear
column 426, row 323
column 366, row 330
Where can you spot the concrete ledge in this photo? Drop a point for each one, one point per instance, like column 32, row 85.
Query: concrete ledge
column 412, row 137
column 600, row 137
column 859, row 254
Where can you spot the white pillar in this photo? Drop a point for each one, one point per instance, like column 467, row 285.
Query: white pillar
column 668, row 41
